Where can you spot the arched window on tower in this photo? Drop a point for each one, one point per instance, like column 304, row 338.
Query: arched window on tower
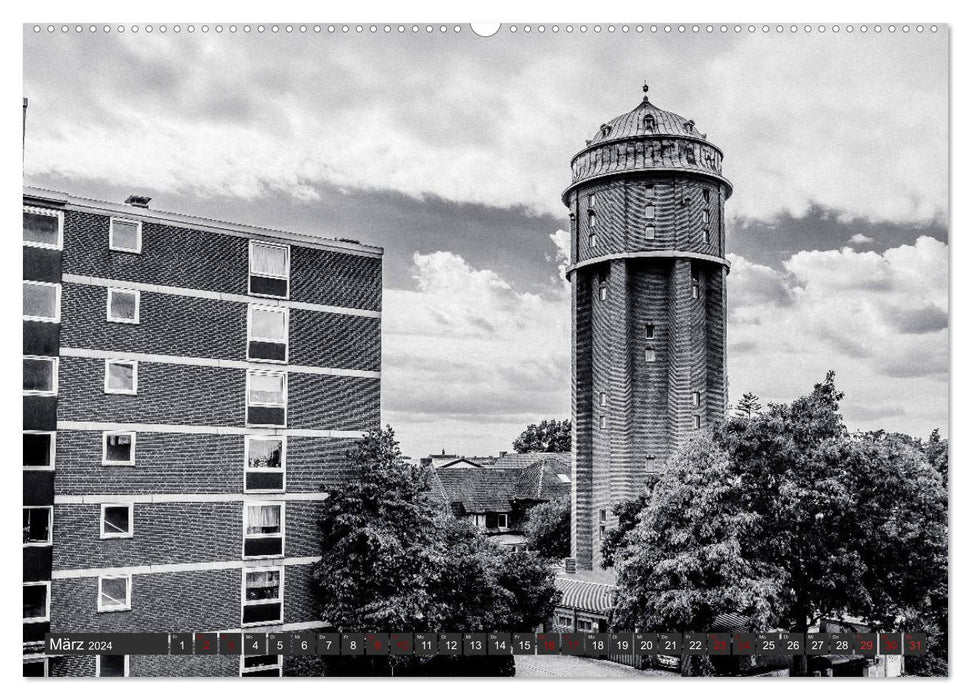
column 650, row 191
column 650, row 123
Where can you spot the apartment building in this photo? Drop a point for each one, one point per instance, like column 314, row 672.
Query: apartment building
column 190, row 389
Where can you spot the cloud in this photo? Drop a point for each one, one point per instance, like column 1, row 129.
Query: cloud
column 495, row 124
column 879, row 320
column 860, row 238
column 469, row 360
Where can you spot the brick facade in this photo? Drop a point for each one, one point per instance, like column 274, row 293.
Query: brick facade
column 649, row 308
column 187, row 485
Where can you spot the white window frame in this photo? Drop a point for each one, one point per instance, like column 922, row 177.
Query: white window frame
column 138, row 305
column 115, row 608
column 37, row 660
column 47, row 617
column 244, row 603
column 56, row 318
column 592, row 219
column 652, row 463
column 249, row 278
column 282, row 534
column 54, row 363
column 277, row 666
column 105, row 535
column 696, row 422
column 650, row 355
column 695, row 398
column 592, row 240
column 283, row 461
column 650, row 232
column 286, row 332
column 592, row 199
column 97, row 664
column 650, row 331
column 603, row 398
column 602, row 290
column 59, row 215
column 104, row 448
column 53, row 451
column 502, row 521
column 603, row 422
column 50, row 526
column 650, row 212
column 134, row 389
column 250, row 373
column 138, row 235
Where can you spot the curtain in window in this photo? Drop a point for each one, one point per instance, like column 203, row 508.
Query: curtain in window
column 262, row 520
column 269, row 325
column 262, row 585
column 268, row 260
column 266, row 389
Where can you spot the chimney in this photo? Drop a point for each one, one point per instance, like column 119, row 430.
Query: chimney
column 503, row 453
column 570, row 564
column 138, row 200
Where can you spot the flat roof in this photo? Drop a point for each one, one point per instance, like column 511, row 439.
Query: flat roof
column 199, row 222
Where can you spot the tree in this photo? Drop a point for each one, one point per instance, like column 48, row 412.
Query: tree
column 820, row 524
column 392, row 559
column 547, row 436
column 548, row 529
column 748, row 405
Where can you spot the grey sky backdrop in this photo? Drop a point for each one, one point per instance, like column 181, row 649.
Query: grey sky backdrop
column 451, row 151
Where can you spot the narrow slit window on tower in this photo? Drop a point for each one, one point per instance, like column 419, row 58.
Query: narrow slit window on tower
column 592, row 199
column 603, row 515
column 603, row 421
column 707, row 235
column 650, row 355
column 650, row 232
column 649, row 211
column 651, row 464
column 695, row 398
column 649, row 331
column 592, row 240
column 707, row 195
column 695, row 285
column 603, row 531
column 697, row 422
column 650, row 123
column 705, row 216
column 603, row 398
column 649, row 191
column 592, row 219
column 603, row 289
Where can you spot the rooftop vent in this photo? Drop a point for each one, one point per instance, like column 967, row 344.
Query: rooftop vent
column 138, row 200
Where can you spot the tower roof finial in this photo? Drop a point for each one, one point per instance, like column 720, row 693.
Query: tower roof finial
column 645, row 89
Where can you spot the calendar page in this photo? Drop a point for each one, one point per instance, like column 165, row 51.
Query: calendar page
column 606, row 350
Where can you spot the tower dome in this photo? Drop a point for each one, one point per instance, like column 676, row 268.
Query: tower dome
column 647, row 138
column 647, row 271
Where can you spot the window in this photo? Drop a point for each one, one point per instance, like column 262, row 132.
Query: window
column 496, row 520
column 269, row 269
column 603, row 531
column 651, row 464
column 43, row 228
column 38, row 450
column 603, row 398
column 111, row 666
column 650, row 355
column 592, row 199
column 649, row 211
column 117, row 521
column 691, row 154
column 253, row 666
column 268, row 333
column 602, row 289
column 114, row 593
column 37, row 525
column 603, row 422
column 696, row 421
column 40, row 376
column 126, row 236
column 707, row 195
column 266, row 398
column 37, row 601
column 564, row 621
column 649, row 331
column 262, row 530
column 695, row 398
column 262, row 596
column 650, row 123
column 584, row 626
column 603, row 515
column 118, row 448
column 695, row 285
column 705, row 216
column 35, row 668
column 593, row 219
column 592, row 240
column 650, row 232
column 121, row 377
column 707, row 235
column 265, row 468
column 649, row 191
column 123, row 305
column 42, row 302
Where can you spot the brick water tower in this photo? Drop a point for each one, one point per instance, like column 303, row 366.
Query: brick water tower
column 648, row 273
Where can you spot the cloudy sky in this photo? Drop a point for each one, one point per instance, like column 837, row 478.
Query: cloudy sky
column 450, row 151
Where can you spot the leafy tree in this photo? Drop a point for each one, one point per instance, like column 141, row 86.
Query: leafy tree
column 748, row 405
column 547, row 436
column 393, row 560
column 548, row 529
column 814, row 521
